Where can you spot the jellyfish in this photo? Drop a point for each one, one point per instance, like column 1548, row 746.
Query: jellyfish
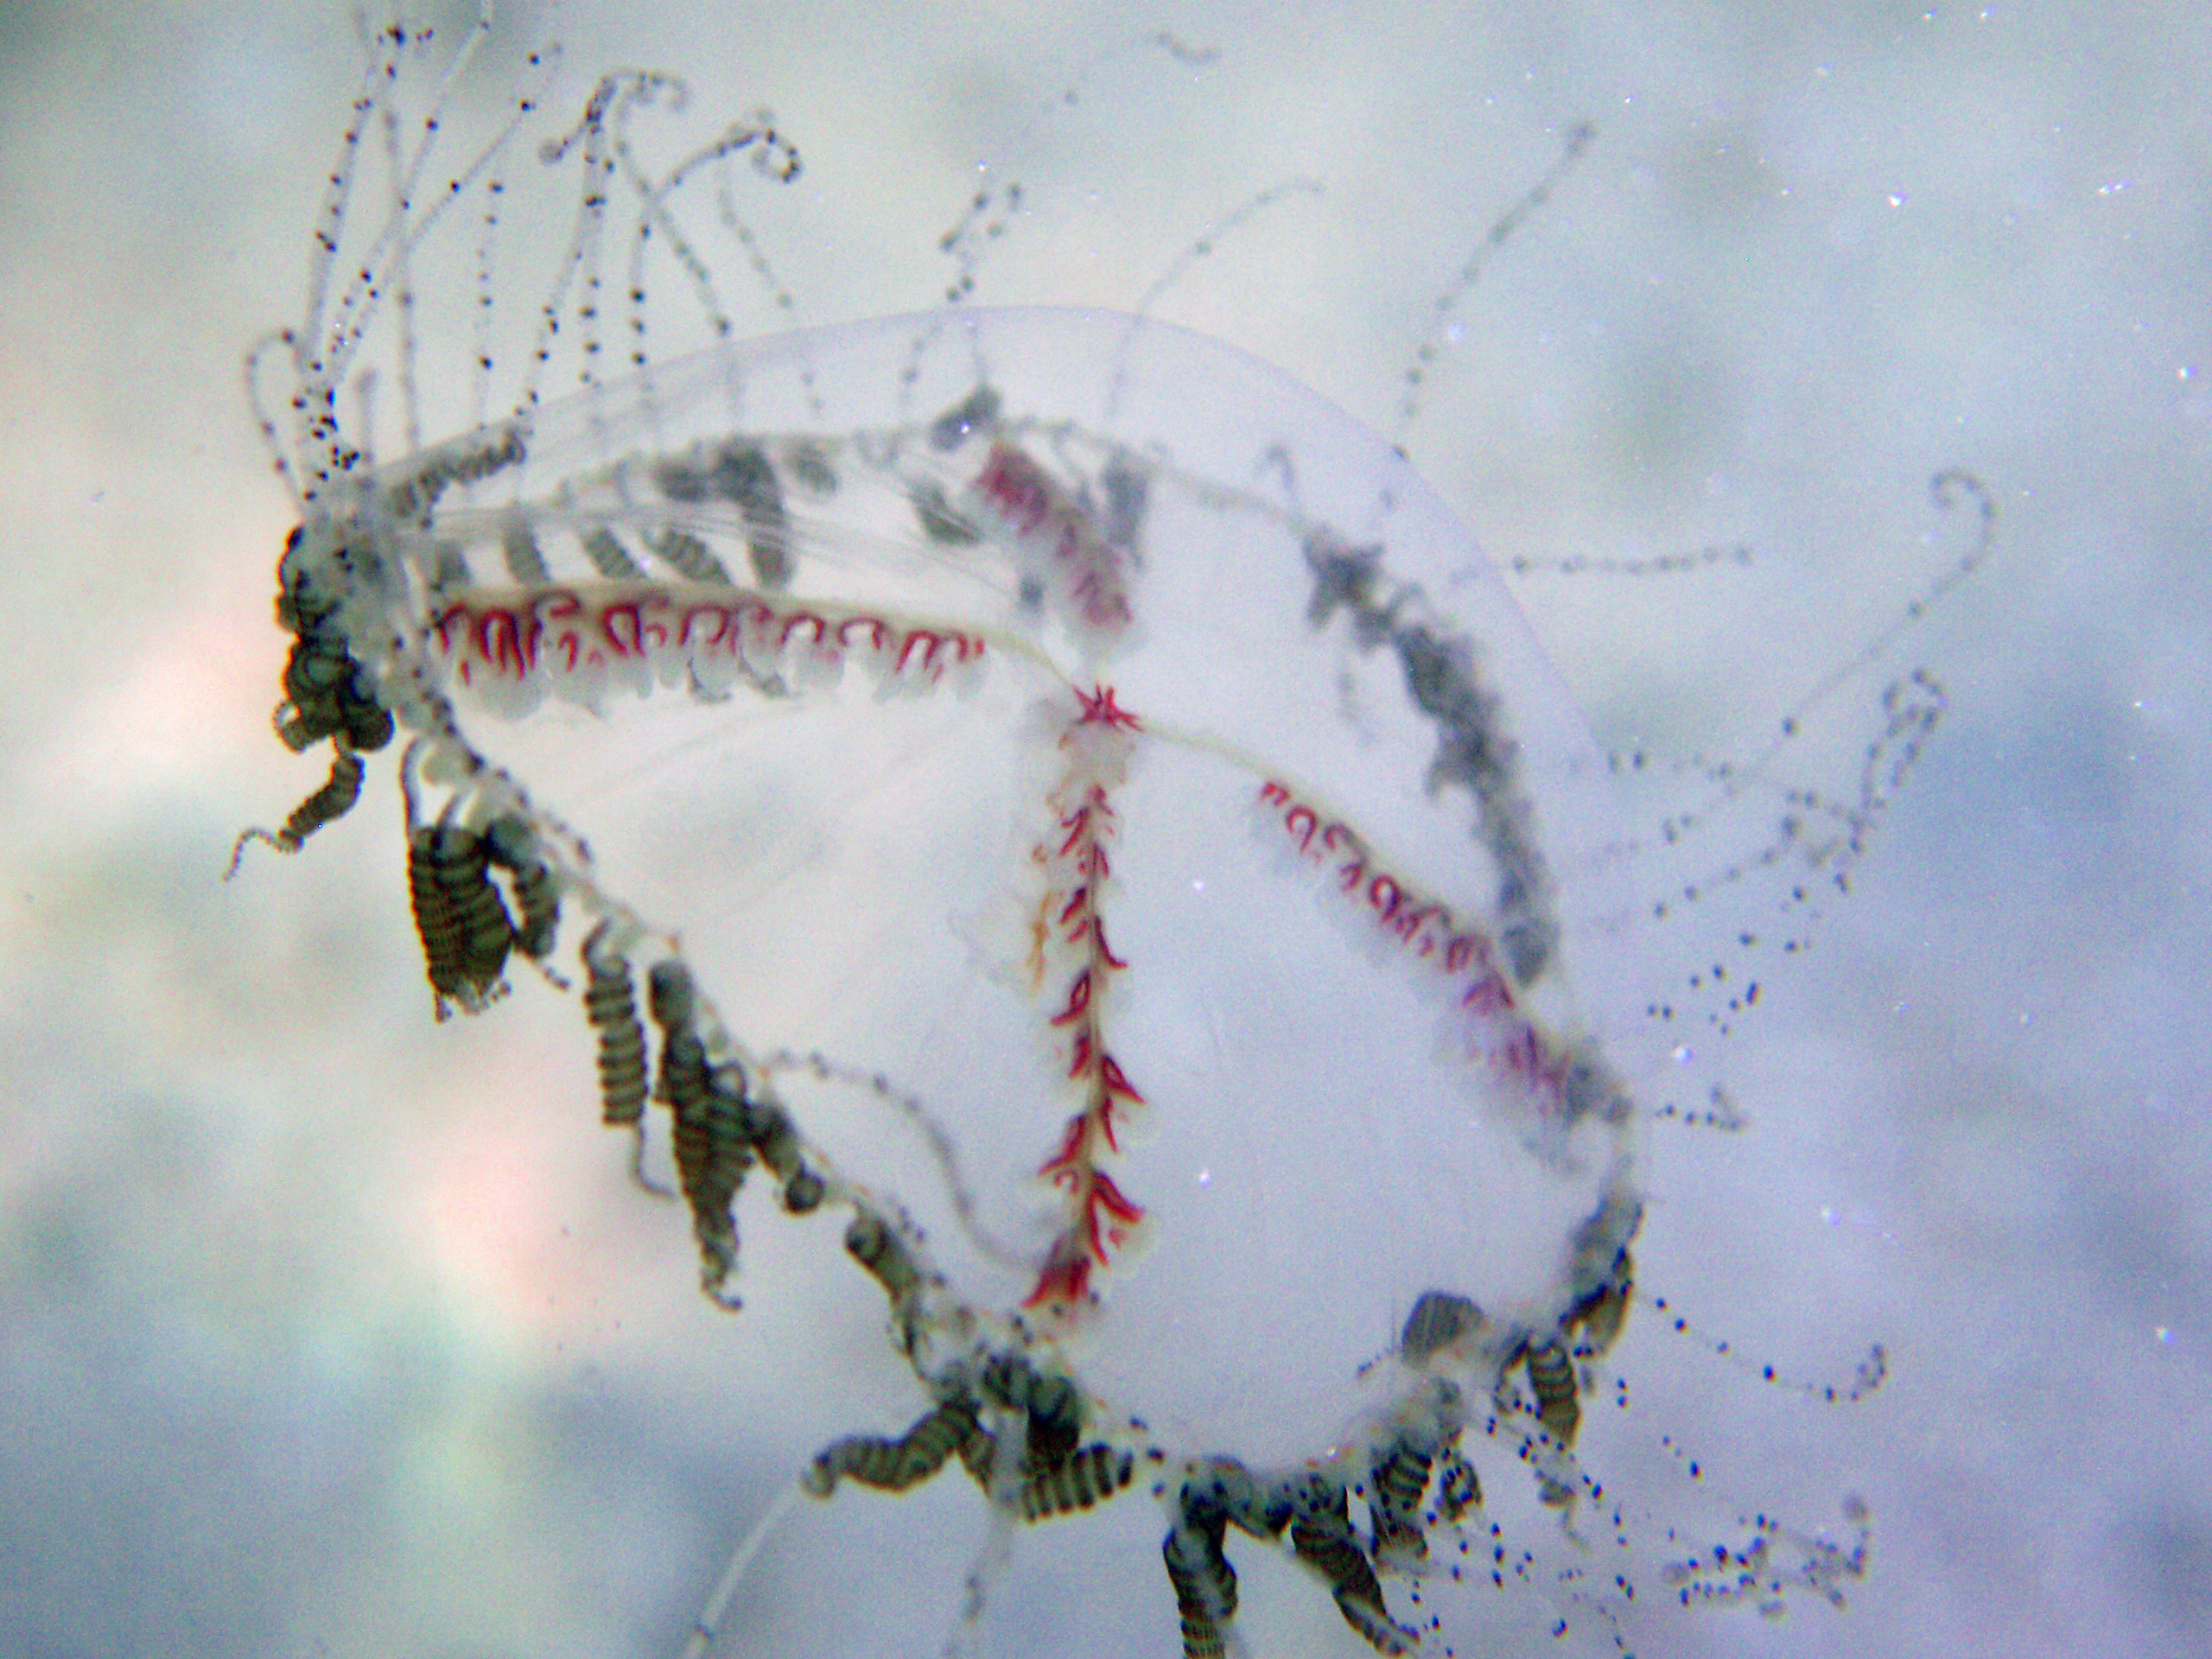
column 1057, row 828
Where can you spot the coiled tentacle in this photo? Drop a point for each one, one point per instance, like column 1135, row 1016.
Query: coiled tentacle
column 514, row 847
column 1321, row 1534
column 326, row 806
column 893, row 1465
column 611, row 1005
column 713, row 1149
column 459, row 914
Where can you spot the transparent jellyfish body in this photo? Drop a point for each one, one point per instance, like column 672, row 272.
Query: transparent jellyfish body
column 1060, row 826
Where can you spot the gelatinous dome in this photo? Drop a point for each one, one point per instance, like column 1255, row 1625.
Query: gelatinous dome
column 1109, row 841
column 1085, row 886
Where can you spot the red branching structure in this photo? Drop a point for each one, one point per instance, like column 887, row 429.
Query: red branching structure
column 561, row 631
column 1072, row 925
column 1490, row 1024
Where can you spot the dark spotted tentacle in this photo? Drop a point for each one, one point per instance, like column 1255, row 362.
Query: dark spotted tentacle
column 777, row 1144
column 1215, row 1494
column 514, row 847
column 1088, row 1476
column 1204, row 1582
column 611, row 1005
column 460, row 916
column 872, row 1242
column 435, row 923
column 1051, row 1404
column 328, row 692
column 326, row 805
column 713, row 1149
column 979, row 1456
column 462, row 865
column 1600, row 1314
column 1439, row 1319
column 877, row 1248
column 893, row 1465
column 1551, row 1373
column 1059, row 1476
column 1397, row 1476
column 1321, row 1534
column 1458, row 1488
